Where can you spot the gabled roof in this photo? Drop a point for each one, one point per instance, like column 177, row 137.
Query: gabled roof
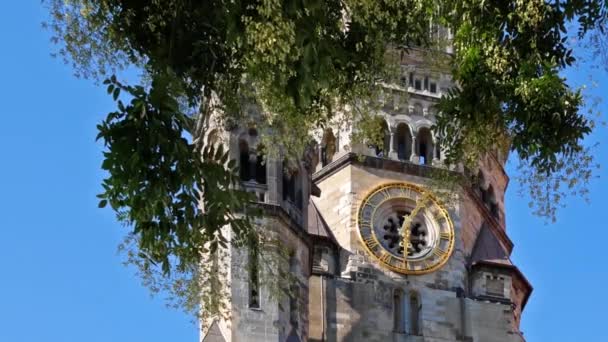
column 214, row 334
column 317, row 227
column 293, row 336
column 488, row 249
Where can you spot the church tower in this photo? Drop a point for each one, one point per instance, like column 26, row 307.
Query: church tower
column 375, row 253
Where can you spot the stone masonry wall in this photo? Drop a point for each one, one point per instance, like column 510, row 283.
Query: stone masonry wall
column 273, row 321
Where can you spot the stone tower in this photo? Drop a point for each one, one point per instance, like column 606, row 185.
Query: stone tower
column 376, row 256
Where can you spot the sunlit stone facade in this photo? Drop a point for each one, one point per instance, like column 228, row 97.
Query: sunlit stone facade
column 342, row 293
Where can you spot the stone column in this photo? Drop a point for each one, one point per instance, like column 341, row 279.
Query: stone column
column 392, row 153
column 414, row 156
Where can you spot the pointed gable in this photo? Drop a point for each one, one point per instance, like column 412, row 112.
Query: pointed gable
column 293, row 336
column 214, row 334
column 317, row 227
column 488, row 249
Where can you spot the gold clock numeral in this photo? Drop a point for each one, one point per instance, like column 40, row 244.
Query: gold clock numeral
column 438, row 252
column 386, row 193
column 367, row 211
column 445, row 235
column 439, row 216
column 365, row 224
column 386, row 257
column 371, row 242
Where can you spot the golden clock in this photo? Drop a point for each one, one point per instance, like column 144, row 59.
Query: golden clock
column 405, row 228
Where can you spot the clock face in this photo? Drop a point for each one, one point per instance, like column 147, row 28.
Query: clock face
column 405, row 228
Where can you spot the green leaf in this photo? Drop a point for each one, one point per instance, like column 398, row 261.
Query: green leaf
column 116, row 94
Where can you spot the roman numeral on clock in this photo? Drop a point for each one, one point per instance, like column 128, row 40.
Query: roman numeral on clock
column 370, row 242
column 385, row 193
column 445, row 235
column 439, row 216
column 385, row 257
column 438, row 252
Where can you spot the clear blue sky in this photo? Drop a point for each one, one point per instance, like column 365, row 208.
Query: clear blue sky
column 61, row 279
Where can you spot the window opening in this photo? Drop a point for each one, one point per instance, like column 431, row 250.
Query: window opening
column 398, row 315
column 404, row 142
column 425, row 146
column 254, row 278
column 244, row 161
column 260, row 169
column 415, row 315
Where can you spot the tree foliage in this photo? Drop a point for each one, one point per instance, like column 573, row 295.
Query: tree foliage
column 303, row 62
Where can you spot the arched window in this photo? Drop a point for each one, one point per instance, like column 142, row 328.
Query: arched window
column 414, row 318
column 425, row 146
column 398, row 312
column 491, row 202
column 403, row 142
column 244, row 167
column 252, row 165
column 328, row 147
column 292, row 187
column 260, row 166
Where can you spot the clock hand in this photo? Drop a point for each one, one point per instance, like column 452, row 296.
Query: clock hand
column 407, row 221
column 406, row 238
